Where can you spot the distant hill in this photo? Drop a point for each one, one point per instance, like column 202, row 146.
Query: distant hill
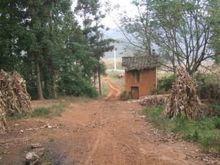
column 122, row 46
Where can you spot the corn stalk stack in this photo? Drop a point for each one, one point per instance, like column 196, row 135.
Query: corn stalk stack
column 14, row 98
column 184, row 100
column 153, row 100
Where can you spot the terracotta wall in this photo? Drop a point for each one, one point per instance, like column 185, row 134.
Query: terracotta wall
column 146, row 84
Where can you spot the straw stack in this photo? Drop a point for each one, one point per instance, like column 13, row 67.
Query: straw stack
column 184, row 100
column 14, row 98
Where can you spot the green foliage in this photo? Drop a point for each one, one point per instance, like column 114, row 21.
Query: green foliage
column 180, row 30
column 76, row 86
column 46, row 34
column 205, row 131
column 215, row 20
column 208, row 87
column 215, row 108
column 92, row 15
column 165, row 84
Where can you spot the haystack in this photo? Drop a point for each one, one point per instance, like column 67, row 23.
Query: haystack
column 184, row 100
column 14, row 98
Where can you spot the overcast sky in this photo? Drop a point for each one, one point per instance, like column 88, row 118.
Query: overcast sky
column 112, row 21
column 113, row 17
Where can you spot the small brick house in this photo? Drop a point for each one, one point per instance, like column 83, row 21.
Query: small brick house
column 140, row 75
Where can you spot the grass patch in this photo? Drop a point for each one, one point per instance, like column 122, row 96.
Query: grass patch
column 205, row 131
column 215, row 108
column 54, row 110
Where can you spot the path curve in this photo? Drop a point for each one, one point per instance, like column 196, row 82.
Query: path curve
column 114, row 91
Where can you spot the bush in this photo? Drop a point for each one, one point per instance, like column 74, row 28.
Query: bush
column 208, row 87
column 205, row 131
column 76, row 86
column 165, row 84
column 215, row 109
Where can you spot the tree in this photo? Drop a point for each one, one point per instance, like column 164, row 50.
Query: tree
column 12, row 32
column 137, row 30
column 215, row 25
column 91, row 14
column 181, row 34
column 42, row 40
column 184, row 33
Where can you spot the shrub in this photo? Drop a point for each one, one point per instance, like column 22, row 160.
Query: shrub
column 217, row 123
column 208, row 86
column 76, row 86
column 165, row 84
column 215, row 109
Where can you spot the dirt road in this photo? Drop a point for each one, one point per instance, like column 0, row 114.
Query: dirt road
column 97, row 132
column 114, row 90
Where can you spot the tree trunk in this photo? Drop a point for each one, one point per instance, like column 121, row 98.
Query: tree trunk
column 39, row 86
column 94, row 78
column 54, row 87
column 100, row 83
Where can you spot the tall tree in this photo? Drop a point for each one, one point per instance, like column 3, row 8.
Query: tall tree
column 137, row 30
column 183, row 33
column 91, row 14
column 215, row 25
column 42, row 40
column 12, row 33
column 180, row 31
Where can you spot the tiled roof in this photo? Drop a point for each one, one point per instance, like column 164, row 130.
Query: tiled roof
column 139, row 62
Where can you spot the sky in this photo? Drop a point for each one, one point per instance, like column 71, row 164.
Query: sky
column 112, row 19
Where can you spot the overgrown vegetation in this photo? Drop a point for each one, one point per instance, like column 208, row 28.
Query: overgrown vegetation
column 205, row 131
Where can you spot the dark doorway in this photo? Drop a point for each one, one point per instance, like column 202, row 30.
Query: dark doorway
column 135, row 92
